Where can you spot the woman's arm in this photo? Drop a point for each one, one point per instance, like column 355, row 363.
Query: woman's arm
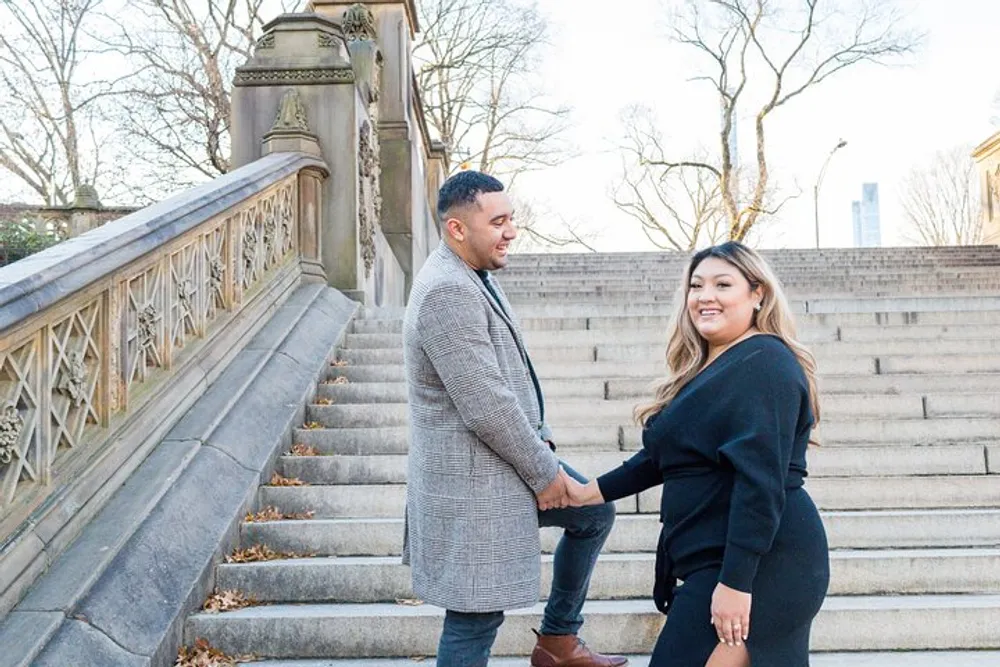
column 767, row 396
column 631, row 477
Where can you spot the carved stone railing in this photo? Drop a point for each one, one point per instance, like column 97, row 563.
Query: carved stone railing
column 106, row 339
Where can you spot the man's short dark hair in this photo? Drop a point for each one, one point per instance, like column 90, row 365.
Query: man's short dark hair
column 462, row 189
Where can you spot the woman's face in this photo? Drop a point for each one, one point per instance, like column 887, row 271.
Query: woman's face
column 720, row 301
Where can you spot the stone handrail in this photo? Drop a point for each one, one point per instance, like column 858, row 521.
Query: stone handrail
column 106, row 339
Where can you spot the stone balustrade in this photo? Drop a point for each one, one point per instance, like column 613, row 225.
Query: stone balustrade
column 108, row 338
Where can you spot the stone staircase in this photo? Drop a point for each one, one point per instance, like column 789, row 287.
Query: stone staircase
column 907, row 479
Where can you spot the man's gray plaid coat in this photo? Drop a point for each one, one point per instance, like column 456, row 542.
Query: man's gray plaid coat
column 477, row 457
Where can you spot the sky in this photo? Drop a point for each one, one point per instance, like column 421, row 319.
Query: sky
column 891, row 117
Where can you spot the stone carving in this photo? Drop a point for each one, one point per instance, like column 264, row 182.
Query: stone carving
column 114, row 353
column 993, row 194
column 249, row 243
column 270, row 234
column 11, row 424
column 73, row 377
column 277, row 77
column 359, row 23
column 266, row 41
column 369, row 195
column 326, row 40
column 291, row 113
column 147, row 326
column 185, row 291
column 216, row 269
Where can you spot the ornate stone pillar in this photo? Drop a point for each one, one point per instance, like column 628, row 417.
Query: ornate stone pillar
column 400, row 131
column 298, row 92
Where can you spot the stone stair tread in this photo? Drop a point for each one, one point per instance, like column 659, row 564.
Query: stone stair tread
column 844, row 554
column 866, row 659
column 988, row 601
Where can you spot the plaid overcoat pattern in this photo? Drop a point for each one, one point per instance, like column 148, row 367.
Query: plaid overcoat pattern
column 476, row 450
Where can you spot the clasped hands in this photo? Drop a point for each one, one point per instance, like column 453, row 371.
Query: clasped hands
column 564, row 491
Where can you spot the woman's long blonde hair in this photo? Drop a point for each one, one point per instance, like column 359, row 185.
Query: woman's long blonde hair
column 687, row 351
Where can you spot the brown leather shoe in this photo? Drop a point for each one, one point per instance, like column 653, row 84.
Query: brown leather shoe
column 569, row 651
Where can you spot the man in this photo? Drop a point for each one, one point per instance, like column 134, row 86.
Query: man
column 482, row 473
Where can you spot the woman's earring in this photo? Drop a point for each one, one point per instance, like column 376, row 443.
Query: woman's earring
column 757, row 307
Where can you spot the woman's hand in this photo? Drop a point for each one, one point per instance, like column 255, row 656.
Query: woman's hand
column 582, row 494
column 731, row 615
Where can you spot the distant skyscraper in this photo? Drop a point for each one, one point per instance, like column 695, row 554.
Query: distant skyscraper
column 856, row 220
column 865, row 218
column 871, row 235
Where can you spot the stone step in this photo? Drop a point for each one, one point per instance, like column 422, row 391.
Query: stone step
column 805, row 321
column 863, row 493
column 898, row 383
column 865, row 659
column 830, row 493
column 564, row 413
column 616, row 576
column 635, row 533
column 861, row 338
column 886, row 365
column 905, row 304
column 823, row 462
column 962, row 622
column 630, row 392
column 597, row 437
column 393, row 440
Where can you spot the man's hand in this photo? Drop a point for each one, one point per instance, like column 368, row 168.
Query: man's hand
column 554, row 495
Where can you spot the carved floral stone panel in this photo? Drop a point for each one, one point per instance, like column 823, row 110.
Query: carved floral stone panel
column 185, row 303
column 75, row 354
column 144, row 318
column 22, row 451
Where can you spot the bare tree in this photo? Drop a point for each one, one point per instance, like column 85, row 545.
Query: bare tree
column 184, row 54
column 476, row 68
column 776, row 50
column 533, row 231
column 51, row 137
column 678, row 208
column 941, row 200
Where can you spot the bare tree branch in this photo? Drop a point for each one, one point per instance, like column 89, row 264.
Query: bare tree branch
column 476, row 68
column 48, row 138
column 677, row 204
column 780, row 49
column 941, row 200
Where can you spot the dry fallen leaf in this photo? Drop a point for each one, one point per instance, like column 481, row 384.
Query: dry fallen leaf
column 323, row 401
column 409, row 602
column 203, row 655
column 339, row 363
column 300, row 449
column 299, row 516
column 259, row 553
column 312, row 426
column 227, row 601
column 278, row 480
column 264, row 515
column 340, row 380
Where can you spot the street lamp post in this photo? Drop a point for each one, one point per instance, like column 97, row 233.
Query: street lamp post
column 819, row 182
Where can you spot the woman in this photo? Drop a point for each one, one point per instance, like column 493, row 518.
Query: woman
column 726, row 436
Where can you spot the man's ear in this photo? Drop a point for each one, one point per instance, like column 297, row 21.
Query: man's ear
column 455, row 228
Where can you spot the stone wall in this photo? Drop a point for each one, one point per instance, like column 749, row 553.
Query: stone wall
column 987, row 156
